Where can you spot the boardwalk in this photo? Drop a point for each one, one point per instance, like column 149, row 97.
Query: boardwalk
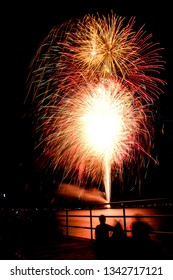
column 70, row 248
column 63, row 249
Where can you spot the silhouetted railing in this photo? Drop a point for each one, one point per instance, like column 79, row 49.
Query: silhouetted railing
column 67, row 216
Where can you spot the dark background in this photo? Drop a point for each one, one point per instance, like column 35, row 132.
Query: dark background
column 24, row 24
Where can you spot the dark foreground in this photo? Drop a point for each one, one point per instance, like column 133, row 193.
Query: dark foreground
column 71, row 248
column 83, row 249
column 36, row 237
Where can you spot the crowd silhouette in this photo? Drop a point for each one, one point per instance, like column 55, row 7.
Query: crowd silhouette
column 111, row 242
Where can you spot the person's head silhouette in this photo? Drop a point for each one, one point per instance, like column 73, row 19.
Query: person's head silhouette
column 102, row 219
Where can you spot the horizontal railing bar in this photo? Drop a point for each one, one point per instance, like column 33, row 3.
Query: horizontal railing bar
column 76, row 227
column 120, row 216
column 93, row 228
column 76, row 216
column 152, row 232
column 135, row 200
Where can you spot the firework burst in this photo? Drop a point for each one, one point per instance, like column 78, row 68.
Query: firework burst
column 93, row 82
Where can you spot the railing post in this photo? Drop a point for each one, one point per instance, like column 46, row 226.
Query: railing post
column 124, row 218
column 67, row 221
column 91, row 225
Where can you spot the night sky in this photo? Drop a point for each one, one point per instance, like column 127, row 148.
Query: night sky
column 24, row 25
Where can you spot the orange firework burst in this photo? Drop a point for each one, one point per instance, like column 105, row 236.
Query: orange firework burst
column 103, row 45
column 93, row 84
column 94, row 48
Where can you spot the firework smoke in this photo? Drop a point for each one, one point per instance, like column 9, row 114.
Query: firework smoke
column 94, row 82
column 73, row 192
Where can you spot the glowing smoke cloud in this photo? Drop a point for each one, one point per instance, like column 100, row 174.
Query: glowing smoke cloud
column 93, row 82
column 73, row 191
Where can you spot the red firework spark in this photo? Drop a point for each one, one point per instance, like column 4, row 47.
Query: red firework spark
column 94, row 82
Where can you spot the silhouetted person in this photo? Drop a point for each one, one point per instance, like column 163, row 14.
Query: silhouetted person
column 141, row 230
column 143, row 247
column 118, row 233
column 118, row 243
column 102, row 233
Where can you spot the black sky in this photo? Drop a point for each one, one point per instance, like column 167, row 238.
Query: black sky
column 24, row 25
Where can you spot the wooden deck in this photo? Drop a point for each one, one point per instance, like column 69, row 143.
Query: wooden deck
column 70, row 248
column 63, row 249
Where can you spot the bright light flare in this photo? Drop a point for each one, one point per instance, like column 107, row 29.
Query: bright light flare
column 102, row 121
column 105, row 118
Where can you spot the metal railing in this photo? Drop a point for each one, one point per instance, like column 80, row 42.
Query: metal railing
column 161, row 203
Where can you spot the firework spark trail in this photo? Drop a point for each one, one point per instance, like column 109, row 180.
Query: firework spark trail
column 100, row 125
column 100, row 46
column 93, row 82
